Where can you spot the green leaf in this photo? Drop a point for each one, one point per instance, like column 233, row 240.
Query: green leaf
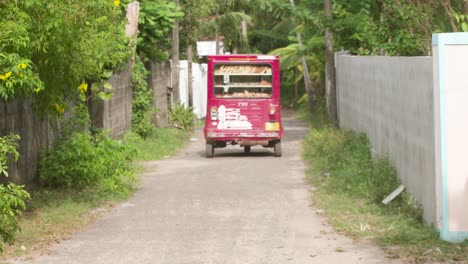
column 104, row 96
column 107, row 86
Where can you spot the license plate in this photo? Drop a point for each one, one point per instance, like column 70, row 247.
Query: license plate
column 272, row 126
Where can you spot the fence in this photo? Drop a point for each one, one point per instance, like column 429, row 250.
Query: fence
column 18, row 117
column 390, row 99
column 115, row 114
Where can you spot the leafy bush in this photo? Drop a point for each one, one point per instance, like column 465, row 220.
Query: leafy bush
column 12, row 202
column 182, row 117
column 83, row 159
column 350, row 184
column 142, row 112
column 47, row 48
column 86, row 161
column 146, row 127
column 155, row 23
column 18, row 76
column 8, row 146
column 12, row 196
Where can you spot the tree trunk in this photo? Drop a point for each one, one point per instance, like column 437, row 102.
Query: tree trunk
column 308, row 87
column 296, row 86
column 330, row 68
column 217, row 39
column 175, row 61
column 131, row 27
column 446, row 5
column 245, row 41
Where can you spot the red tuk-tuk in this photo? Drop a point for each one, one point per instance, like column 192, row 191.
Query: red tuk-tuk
column 243, row 106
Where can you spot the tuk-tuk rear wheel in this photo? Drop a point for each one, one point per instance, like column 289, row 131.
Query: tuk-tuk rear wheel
column 209, row 150
column 247, row 149
column 277, row 149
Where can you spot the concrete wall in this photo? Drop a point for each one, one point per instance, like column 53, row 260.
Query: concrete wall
column 36, row 134
column 391, row 100
column 115, row 114
column 17, row 117
column 159, row 81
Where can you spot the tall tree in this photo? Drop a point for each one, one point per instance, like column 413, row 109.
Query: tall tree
column 175, row 60
column 155, row 24
column 305, row 69
column 330, row 67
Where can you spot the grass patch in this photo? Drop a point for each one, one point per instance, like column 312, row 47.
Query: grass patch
column 350, row 184
column 161, row 143
column 55, row 214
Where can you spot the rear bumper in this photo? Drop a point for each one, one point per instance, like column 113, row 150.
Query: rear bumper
column 241, row 136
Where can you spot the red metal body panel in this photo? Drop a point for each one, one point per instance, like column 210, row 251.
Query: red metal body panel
column 230, row 116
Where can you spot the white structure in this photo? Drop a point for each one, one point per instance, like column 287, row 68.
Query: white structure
column 206, row 48
column 199, row 85
column 450, row 62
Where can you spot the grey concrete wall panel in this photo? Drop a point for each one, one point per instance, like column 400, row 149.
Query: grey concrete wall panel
column 159, row 81
column 17, row 117
column 391, row 100
column 36, row 134
column 115, row 114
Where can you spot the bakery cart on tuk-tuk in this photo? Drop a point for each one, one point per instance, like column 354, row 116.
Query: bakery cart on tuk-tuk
column 243, row 103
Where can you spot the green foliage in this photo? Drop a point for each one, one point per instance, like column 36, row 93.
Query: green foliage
column 142, row 112
column 462, row 21
column 155, row 24
column 349, row 186
column 8, row 146
column 146, row 127
column 48, row 48
column 230, row 25
column 390, row 27
column 81, row 159
column 86, row 161
column 194, row 26
column 370, row 27
column 161, row 143
column 12, row 202
column 182, row 117
column 266, row 40
column 346, row 157
column 12, row 196
column 18, row 76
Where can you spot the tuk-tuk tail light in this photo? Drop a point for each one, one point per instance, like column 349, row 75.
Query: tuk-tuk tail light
column 272, row 109
column 214, row 113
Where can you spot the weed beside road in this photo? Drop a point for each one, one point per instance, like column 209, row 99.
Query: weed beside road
column 349, row 183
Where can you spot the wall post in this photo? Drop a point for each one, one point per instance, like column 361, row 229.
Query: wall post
column 450, row 62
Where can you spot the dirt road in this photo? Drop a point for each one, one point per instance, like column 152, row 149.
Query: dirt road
column 233, row 209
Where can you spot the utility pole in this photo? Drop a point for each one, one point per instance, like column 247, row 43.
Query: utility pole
column 189, row 62
column 175, row 60
column 305, row 70
column 217, row 31
column 189, row 74
column 330, row 83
